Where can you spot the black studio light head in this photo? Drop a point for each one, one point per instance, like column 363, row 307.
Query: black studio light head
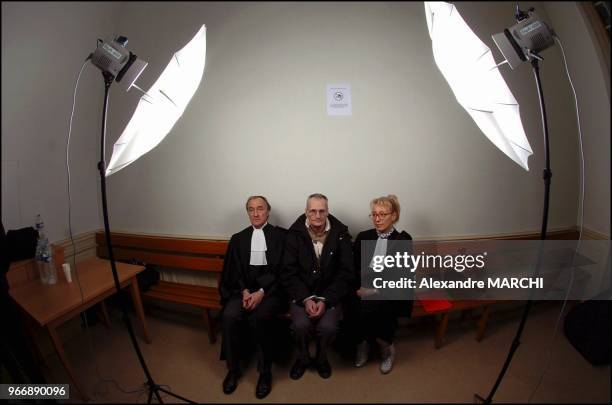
column 525, row 40
column 113, row 58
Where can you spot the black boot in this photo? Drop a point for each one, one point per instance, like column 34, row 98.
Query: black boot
column 324, row 368
column 298, row 369
column 264, row 384
column 230, row 382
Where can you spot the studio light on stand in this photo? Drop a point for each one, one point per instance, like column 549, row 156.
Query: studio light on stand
column 469, row 68
column 522, row 43
column 157, row 112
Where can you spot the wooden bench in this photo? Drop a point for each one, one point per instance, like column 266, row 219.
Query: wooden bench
column 178, row 253
column 455, row 306
column 207, row 256
column 469, row 305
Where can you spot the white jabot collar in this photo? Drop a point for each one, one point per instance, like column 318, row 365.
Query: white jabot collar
column 258, row 247
column 379, row 250
column 386, row 234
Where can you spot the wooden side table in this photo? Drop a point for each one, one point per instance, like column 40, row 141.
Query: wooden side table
column 52, row 305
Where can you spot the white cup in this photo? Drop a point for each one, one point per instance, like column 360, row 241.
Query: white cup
column 67, row 272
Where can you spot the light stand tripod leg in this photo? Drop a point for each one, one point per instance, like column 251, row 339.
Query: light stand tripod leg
column 150, row 397
column 153, row 388
column 546, row 176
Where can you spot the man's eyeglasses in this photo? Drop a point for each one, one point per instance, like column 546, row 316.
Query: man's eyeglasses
column 313, row 212
column 381, row 215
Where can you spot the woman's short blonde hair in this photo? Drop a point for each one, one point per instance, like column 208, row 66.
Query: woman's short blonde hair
column 389, row 201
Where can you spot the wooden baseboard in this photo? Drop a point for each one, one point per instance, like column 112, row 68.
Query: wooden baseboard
column 588, row 234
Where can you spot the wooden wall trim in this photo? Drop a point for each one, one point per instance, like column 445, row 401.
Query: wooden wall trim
column 588, row 234
column 85, row 243
column 84, row 246
column 554, row 234
column 166, row 235
column 179, row 243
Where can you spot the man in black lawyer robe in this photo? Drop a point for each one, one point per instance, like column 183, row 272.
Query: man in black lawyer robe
column 250, row 292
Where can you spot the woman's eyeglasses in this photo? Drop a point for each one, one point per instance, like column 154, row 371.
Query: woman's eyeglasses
column 381, row 215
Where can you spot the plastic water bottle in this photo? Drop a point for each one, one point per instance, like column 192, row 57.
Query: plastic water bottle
column 44, row 256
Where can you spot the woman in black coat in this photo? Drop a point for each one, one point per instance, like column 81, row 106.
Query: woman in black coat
column 375, row 315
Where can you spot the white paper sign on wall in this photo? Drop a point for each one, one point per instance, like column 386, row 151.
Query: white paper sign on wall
column 339, row 99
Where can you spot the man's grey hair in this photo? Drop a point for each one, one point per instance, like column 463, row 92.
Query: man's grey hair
column 258, row 196
column 318, row 196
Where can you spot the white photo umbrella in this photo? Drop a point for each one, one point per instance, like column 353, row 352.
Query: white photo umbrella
column 469, row 68
column 162, row 105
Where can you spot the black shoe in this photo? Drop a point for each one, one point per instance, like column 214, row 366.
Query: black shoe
column 298, row 369
column 264, row 385
column 230, row 382
column 324, row 369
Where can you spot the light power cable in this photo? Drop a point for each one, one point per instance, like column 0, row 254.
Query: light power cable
column 580, row 227
column 101, row 380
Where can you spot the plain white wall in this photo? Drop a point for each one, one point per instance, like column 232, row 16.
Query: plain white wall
column 592, row 87
column 43, row 47
column 258, row 123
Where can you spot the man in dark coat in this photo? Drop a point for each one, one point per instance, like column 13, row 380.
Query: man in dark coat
column 317, row 274
column 250, row 292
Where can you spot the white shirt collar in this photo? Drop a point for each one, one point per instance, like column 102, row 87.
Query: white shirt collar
column 262, row 227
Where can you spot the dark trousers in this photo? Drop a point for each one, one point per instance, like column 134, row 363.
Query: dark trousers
column 259, row 321
column 376, row 319
column 325, row 329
